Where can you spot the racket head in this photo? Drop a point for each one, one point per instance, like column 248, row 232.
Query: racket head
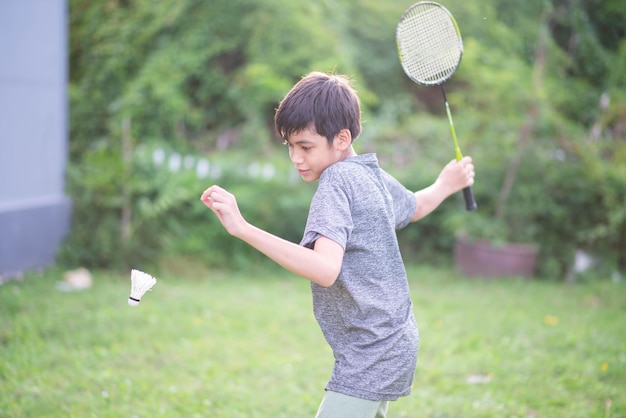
column 429, row 42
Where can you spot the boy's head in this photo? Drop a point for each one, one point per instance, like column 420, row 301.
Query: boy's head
column 324, row 103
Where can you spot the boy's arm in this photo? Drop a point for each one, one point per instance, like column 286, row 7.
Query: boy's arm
column 320, row 265
column 455, row 176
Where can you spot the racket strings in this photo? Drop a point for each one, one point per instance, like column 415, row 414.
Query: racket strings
column 429, row 44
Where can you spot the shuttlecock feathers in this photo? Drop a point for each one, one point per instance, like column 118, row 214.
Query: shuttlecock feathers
column 140, row 283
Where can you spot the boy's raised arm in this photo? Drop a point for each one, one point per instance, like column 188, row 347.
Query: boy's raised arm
column 455, row 176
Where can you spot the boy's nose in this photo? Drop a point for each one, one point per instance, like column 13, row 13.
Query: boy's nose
column 295, row 157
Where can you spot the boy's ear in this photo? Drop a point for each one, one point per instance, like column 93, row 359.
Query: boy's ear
column 343, row 139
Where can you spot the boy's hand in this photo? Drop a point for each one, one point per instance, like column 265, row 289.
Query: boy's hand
column 457, row 175
column 224, row 205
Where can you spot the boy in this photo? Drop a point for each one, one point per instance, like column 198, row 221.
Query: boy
column 349, row 250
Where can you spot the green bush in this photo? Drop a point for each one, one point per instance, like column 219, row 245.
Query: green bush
column 160, row 190
column 529, row 104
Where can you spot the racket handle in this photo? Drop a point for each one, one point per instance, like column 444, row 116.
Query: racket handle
column 470, row 203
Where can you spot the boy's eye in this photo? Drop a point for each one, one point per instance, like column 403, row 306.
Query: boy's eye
column 305, row 148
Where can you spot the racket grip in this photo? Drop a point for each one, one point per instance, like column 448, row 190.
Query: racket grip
column 470, row 203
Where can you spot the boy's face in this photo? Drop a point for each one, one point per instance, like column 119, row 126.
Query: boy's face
column 311, row 154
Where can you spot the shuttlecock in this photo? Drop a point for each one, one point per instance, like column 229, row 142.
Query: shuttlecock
column 140, row 283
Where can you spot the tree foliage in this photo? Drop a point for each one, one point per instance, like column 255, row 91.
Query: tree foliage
column 538, row 102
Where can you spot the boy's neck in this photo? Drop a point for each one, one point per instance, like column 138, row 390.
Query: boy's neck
column 350, row 152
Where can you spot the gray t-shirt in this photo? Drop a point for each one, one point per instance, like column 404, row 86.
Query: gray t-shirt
column 367, row 314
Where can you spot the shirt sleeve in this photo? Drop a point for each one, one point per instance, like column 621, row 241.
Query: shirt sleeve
column 404, row 203
column 329, row 214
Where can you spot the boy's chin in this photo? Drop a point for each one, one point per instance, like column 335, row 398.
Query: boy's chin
column 308, row 178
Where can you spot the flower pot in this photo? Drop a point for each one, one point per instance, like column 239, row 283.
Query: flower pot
column 482, row 258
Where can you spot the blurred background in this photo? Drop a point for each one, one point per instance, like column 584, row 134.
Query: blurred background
column 121, row 112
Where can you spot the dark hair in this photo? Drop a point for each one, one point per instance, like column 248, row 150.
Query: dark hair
column 326, row 103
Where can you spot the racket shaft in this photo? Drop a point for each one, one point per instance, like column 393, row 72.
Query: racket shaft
column 470, row 203
column 457, row 149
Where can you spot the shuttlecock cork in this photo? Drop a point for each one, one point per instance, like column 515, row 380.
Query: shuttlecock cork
column 140, row 283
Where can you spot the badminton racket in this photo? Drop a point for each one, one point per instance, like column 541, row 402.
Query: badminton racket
column 430, row 50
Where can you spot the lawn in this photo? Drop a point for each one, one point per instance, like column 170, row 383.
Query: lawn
column 217, row 344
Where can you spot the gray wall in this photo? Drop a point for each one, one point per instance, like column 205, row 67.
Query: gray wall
column 34, row 211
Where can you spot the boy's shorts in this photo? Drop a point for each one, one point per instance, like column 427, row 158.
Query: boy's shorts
column 338, row 405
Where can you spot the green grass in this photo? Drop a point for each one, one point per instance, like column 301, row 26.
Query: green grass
column 247, row 345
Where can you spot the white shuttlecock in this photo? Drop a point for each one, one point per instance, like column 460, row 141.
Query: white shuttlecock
column 140, row 283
